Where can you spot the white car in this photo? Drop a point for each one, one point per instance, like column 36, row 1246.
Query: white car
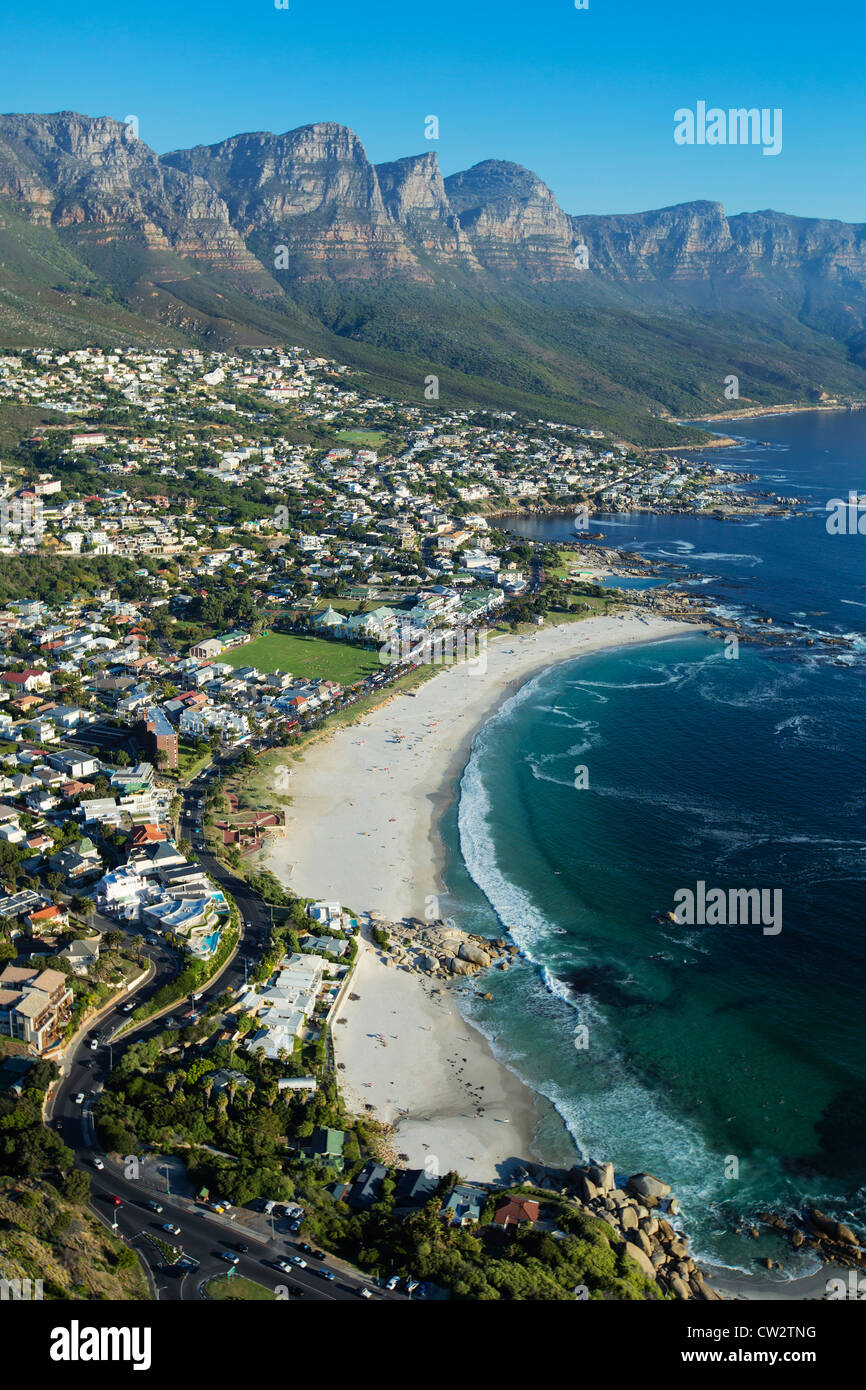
column 98, row 1164
column 365, row 1293
column 79, row 1099
column 393, row 1282
column 301, row 1264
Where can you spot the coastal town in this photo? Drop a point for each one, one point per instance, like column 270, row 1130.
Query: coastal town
column 214, row 566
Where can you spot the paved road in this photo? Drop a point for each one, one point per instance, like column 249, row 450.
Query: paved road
column 203, row 1235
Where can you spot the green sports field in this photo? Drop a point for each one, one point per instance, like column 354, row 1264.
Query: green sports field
column 372, row 439
column 306, row 657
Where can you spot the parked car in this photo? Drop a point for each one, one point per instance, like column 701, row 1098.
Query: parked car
column 155, row 1206
column 170, row 1227
column 318, row 1254
column 393, row 1282
column 98, row 1164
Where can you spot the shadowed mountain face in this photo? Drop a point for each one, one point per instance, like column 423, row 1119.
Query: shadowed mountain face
column 269, row 238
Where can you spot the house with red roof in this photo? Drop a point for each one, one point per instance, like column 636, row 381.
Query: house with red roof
column 514, row 1212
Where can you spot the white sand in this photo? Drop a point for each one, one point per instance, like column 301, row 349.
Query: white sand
column 362, row 829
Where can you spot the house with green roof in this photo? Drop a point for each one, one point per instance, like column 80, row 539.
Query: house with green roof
column 326, row 1145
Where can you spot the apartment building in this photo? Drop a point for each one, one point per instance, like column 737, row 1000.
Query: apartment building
column 35, row 1006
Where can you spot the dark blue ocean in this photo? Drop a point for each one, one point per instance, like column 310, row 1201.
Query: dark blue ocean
column 728, row 1061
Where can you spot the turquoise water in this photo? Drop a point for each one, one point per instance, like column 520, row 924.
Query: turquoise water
column 725, row 1059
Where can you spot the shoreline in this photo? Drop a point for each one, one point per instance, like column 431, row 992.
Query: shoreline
column 450, row 1099
column 758, row 411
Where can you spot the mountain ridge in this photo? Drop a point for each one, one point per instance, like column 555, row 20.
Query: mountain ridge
column 263, row 236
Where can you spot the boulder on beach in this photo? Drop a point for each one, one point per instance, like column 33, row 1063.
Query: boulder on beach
column 461, row 967
column 586, row 1187
column 834, row 1230
column 602, row 1175
column 645, row 1185
column 680, row 1288
column 640, row 1258
column 474, row 954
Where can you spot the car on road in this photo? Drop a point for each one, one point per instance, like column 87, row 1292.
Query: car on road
column 58, row 1124
column 283, row 1265
column 127, row 1008
column 116, row 1202
column 306, row 1247
column 325, row 1273
column 155, row 1206
column 393, row 1282
column 411, row 1285
column 170, row 1227
column 318, row 1254
column 79, row 1099
column 85, row 1062
column 98, row 1164
column 244, row 1249
column 229, row 1258
column 365, row 1293
column 301, row 1264
column 94, row 1044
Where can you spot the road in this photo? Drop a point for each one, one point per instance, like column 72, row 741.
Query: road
column 204, row 1235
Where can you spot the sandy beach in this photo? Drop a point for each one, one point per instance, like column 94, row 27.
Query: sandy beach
column 362, row 828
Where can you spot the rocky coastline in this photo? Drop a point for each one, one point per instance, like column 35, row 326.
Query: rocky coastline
column 641, row 1211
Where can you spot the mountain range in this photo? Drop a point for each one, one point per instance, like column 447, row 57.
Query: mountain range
column 479, row 278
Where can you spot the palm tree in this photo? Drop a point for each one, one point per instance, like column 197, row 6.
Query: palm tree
column 138, row 947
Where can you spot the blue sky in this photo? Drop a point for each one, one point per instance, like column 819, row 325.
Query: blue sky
column 586, row 98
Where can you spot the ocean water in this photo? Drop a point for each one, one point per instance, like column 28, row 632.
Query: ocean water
column 727, row 1060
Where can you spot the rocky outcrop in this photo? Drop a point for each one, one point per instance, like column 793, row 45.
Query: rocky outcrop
column 95, row 178
column 514, row 221
column 647, row 1237
column 831, row 1240
column 442, row 950
column 413, row 191
column 313, row 191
